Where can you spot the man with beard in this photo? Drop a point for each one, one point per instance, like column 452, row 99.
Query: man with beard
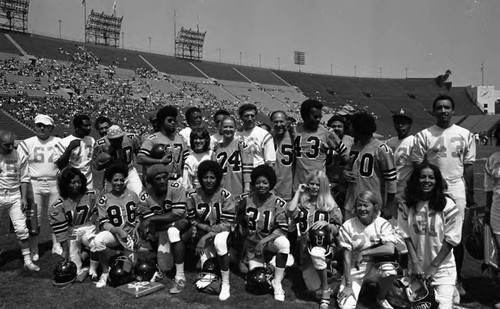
column 313, row 143
column 77, row 149
column 453, row 150
column 102, row 124
column 177, row 149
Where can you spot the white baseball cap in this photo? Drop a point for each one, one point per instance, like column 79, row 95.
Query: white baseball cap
column 115, row 132
column 44, row 119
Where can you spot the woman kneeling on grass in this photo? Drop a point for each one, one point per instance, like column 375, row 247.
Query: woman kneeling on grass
column 363, row 238
column 211, row 209
column 117, row 218
column 432, row 226
column 262, row 216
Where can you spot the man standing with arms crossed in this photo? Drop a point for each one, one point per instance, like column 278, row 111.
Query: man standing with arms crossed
column 14, row 182
column 453, row 150
column 43, row 173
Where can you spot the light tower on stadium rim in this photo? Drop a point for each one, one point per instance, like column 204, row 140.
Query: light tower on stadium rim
column 14, row 15
column 103, row 29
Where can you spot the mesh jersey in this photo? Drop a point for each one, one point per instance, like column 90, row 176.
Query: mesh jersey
column 261, row 145
column 402, row 159
column 311, row 152
column 217, row 210
column 355, row 236
column 130, row 146
column 429, row 230
column 120, row 211
column 284, row 167
column 41, row 156
column 307, row 215
column 449, row 149
column 190, row 173
column 13, row 170
column 236, row 161
column 66, row 215
column 174, row 200
column 177, row 145
column 264, row 217
column 81, row 157
column 373, row 167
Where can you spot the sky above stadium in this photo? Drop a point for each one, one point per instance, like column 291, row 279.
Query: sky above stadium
column 388, row 38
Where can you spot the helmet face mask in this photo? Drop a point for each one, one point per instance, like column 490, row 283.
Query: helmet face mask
column 320, row 238
column 412, row 292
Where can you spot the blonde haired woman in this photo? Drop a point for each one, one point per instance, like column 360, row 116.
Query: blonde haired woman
column 319, row 218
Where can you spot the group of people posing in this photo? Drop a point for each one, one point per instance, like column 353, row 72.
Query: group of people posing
column 299, row 195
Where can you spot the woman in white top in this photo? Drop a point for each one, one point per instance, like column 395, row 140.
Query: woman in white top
column 200, row 151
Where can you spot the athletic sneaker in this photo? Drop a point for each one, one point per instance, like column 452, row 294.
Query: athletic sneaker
column 103, row 281
column 279, row 293
column 30, row 266
column 384, row 304
column 324, row 303
column 35, row 257
column 82, row 274
column 179, row 285
column 93, row 277
column 224, row 291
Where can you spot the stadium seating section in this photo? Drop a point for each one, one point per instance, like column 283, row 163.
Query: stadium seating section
column 63, row 77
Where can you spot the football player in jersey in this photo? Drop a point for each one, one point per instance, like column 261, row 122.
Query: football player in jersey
column 117, row 211
column 257, row 139
column 178, row 151
column 43, row 173
column 211, row 210
column 452, row 149
column 234, row 157
column 371, row 167
column 313, row 143
column 101, row 125
column 194, row 121
column 200, row 151
column 314, row 208
column 401, row 147
column 364, row 238
column 163, row 209
column 283, row 137
column 335, row 167
column 73, row 218
column 432, row 227
column 14, row 183
column 262, row 216
column 76, row 150
column 118, row 145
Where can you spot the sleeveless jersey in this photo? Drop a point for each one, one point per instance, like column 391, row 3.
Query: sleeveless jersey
column 41, row 156
column 120, row 211
column 264, row 217
column 373, row 167
column 66, row 215
column 217, row 210
column 174, row 200
column 178, row 147
column 130, row 146
column 284, row 166
column 237, row 163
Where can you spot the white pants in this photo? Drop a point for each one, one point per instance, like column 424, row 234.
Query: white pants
column 106, row 239
column 216, row 247
column 44, row 194
column 457, row 191
column 366, row 272
column 83, row 236
column 10, row 200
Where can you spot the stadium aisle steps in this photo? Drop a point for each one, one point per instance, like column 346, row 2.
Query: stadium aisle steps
column 21, row 130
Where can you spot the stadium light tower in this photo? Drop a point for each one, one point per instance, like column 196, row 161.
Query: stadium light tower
column 103, row 29
column 240, row 58
column 189, row 44
column 279, row 63
column 60, row 22
column 149, row 44
column 260, row 61
column 14, row 15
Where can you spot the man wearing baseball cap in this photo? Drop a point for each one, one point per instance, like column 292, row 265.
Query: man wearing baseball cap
column 43, row 173
column 118, row 145
column 401, row 146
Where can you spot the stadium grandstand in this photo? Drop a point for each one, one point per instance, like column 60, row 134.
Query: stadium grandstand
column 44, row 74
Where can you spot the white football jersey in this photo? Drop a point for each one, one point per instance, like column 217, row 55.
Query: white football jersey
column 41, row 156
column 13, row 170
column 81, row 157
column 401, row 149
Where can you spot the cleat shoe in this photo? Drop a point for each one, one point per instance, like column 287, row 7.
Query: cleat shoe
column 82, row 274
column 102, row 281
column 57, row 249
column 324, row 304
column 279, row 293
column 35, row 257
column 94, row 277
column 224, row 292
column 30, row 266
column 179, row 285
column 384, row 304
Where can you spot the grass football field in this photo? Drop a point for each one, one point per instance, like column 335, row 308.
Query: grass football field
column 21, row 289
